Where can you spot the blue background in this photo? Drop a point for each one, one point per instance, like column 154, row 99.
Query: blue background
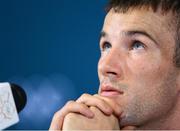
column 51, row 49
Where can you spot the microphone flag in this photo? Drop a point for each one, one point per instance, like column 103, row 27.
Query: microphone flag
column 8, row 112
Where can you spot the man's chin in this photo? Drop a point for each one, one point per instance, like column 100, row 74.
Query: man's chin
column 127, row 121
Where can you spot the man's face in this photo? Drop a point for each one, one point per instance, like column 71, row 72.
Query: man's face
column 137, row 49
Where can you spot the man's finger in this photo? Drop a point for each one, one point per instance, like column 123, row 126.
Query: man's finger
column 114, row 106
column 90, row 100
column 71, row 106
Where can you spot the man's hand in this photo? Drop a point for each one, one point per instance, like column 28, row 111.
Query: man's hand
column 74, row 121
column 81, row 106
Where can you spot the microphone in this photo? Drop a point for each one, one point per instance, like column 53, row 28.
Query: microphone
column 12, row 100
column 19, row 95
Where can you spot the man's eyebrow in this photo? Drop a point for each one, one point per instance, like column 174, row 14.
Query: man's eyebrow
column 132, row 33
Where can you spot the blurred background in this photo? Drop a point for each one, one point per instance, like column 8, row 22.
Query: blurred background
column 51, row 49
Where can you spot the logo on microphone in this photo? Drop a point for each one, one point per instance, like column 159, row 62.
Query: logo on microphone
column 8, row 112
column 6, row 106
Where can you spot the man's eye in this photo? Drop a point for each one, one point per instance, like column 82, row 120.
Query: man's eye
column 137, row 45
column 106, row 46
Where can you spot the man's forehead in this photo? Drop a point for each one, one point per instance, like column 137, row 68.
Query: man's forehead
column 147, row 20
column 144, row 16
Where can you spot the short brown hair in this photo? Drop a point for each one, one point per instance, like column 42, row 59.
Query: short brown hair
column 165, row 5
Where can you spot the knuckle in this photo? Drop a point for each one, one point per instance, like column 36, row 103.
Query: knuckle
column 82, row 106
column 56, row 115
column 96, row 95
column 84, row 95
column 69, row 103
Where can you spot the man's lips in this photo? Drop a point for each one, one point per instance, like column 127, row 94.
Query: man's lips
column 108, row 90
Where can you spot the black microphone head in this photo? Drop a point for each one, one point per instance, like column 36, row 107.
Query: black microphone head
column 19, row 95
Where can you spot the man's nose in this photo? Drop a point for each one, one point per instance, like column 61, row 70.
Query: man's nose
column 111, row 64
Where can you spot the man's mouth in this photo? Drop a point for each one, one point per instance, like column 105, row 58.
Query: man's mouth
column 110, row 91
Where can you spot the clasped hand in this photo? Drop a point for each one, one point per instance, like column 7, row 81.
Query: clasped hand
column 89, row 112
